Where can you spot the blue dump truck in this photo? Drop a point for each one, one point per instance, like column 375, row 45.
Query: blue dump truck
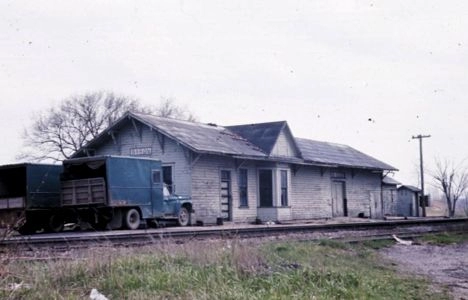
column 111, row 192
column 29, row 196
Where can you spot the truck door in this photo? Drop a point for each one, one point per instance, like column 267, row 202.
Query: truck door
column 157, row 199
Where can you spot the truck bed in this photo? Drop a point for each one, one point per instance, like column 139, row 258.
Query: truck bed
column 84, row 191
column 13, row 202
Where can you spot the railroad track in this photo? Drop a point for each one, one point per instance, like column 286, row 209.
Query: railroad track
column 345, row 231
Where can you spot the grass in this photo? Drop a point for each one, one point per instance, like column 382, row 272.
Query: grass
column 445, row 238
column 216, row 270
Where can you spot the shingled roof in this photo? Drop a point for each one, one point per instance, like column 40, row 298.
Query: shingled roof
column 208, row 138
column 264, row 135
column 338, row 155
column 411, row 188
column 254, row 141
column 390, row 181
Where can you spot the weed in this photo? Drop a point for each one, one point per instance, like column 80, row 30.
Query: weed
column 378, row 244
column 334, row 244
column 217, row 270
column 445, row 238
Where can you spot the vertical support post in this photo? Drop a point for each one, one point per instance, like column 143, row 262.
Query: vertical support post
column 421, row 165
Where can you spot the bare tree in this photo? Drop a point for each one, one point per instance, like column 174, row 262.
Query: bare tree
column 168, row 109
column 55, row 134
column 452, row 180
column 465, row 205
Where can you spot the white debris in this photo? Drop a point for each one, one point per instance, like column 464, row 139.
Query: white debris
column 400, row 241
column 16, row 286
column 95, row 295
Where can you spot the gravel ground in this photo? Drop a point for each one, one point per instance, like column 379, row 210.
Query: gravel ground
column 443, row 265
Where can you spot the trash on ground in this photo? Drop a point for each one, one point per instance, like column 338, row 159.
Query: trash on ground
column 95, row 295
column 403, row 242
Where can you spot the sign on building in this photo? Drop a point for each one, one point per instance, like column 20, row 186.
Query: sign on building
column 141, row 151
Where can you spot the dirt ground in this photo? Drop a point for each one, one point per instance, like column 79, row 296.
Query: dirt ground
column 443, row 265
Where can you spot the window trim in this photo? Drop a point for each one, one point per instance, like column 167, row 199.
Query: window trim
column 282, row 188
column 171, row 187
column 241, row 187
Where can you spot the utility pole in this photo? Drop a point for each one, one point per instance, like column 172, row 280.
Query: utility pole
column 423, row 202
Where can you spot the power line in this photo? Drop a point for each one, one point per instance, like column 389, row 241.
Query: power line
column 423, row 199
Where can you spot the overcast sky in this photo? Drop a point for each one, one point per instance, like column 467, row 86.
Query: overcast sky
column 369, row 74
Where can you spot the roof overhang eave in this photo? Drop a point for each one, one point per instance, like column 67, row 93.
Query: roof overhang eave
column 390, row 168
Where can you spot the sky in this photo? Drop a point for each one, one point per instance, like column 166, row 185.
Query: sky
column 369, row 74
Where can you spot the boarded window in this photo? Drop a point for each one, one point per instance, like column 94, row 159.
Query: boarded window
column 284, row 188
column 243, row 199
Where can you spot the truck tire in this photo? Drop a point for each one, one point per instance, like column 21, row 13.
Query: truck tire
column 55, row 223
column 184, row 217
column 132, row 219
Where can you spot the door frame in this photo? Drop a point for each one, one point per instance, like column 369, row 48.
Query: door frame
column 228, row 196
column 272, row 185
column 345, row 199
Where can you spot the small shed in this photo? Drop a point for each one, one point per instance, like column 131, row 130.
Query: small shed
column 407, row 203
column 389, row 195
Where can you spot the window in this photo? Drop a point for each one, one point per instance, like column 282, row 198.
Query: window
column 167, row 178
column 265, row 178
column 157, row 176
column 243, row 199
column 284, row 188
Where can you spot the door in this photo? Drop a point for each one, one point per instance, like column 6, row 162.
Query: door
column 339, row 202
column 376, row 205
column 226, row 195
column 265, row 178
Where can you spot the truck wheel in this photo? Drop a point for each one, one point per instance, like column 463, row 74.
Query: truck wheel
column 55, row 224
column 184, row 217
column 132, row 219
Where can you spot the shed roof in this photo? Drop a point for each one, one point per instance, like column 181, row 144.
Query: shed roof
column 338, row 154
column 410, row 187
column 390, row 181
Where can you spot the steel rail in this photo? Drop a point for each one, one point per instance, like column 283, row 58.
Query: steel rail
column 314, row 231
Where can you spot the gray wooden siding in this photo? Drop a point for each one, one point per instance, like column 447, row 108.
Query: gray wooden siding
column 128, row 138
column 284, row 146
column 206, row 194
column 389, row 196
column 359, row 188
column 310, row 193
column 405, row 205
